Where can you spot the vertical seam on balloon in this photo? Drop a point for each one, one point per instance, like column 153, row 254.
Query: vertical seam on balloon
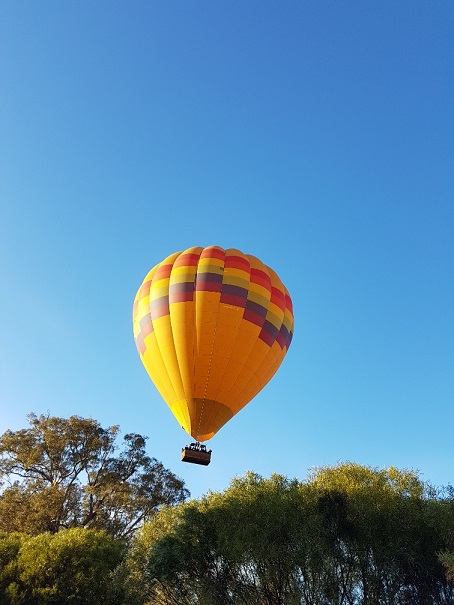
column 210, row 363
column 150, row 275
column 198, row 419
column 275, row 366
column 237, row 333
column 207, row 380
column 276, row 363
column 158, row 343
column 174, row 345
column 194, row 331
column 195, row 342
column 265, row 267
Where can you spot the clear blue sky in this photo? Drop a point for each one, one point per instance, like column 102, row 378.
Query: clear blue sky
column 318, row 136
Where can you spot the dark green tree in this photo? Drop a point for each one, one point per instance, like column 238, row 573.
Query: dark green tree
column 349, row 535
column 384, row 529
column 447, row 558
column 443, row 521
column 63, row 473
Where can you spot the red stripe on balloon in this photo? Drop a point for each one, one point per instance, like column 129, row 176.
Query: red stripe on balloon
column 181, row 297
column 146, row 325
column 266, row 337
column 211, row 286
column 162, row 272
column 213, row 253
column 159, row 307
column 140, row 344
column 236, row 262
column 144, row 289
column 261, row 278
column 253, row 318
column 278, row 298
column 189, row 259
column 231, row 299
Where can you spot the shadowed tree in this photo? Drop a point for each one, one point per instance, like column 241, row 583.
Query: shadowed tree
column 445, row 526
column 349, row 535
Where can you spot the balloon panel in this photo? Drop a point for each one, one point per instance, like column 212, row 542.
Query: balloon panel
column 212, row 327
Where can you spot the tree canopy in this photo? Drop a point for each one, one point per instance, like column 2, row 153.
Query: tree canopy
column 72, row 566
column 65, row 473
column 349, row 535
column 85, row 520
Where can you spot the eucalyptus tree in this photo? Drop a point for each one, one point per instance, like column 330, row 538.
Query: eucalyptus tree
column 63, row 473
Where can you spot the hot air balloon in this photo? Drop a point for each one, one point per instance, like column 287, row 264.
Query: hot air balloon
column 212, row 327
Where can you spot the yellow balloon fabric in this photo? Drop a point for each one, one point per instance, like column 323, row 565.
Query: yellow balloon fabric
column 212, row 327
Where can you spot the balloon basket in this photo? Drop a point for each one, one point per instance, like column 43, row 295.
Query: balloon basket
column 196, row 454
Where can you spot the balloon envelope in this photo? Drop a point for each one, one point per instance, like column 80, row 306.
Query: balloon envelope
column 212, row 327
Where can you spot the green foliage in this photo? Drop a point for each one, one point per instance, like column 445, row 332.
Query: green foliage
column 447, row 558
column 72, row 566
column 443, row 521
column 384, row 534
column 349, row 535
column 10, row 545
column 352, row 478
column 63, row 473
column 132, row 574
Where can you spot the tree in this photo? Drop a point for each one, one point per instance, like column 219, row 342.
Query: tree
column 63, row 473
column 240, row 547
column 72, row 566
column 444, row 524
column 447, row 558
column 132, row 574
column 385, row 530
column 349, row 535
column 10, row 545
